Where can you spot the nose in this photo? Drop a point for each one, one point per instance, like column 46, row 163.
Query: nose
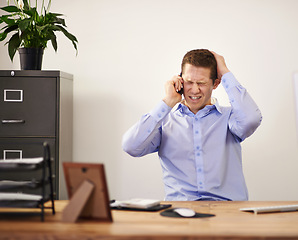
column 195, row 88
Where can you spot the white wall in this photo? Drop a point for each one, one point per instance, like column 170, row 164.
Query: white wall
column 128, row 49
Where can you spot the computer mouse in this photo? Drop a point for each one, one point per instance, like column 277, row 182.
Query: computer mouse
column 185, row 212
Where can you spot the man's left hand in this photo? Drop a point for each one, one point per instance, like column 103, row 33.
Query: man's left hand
column 221, row 65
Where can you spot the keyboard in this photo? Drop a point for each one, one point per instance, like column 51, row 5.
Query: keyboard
column 269, row 209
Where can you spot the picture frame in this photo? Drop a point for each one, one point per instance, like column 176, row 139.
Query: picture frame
column 88, row 192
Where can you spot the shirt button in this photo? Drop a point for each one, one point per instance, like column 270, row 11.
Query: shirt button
column 196, row 119
column 200, row 170
column 198, row 147
column 159, row 115
column 198, row 154
column 196, row 131
column 163, row 110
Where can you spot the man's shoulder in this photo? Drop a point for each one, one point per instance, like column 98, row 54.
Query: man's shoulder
column 226, row 109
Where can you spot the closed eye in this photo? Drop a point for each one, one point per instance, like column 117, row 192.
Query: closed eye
column 190, row 83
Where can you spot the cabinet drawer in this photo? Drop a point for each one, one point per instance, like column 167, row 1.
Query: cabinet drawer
column 28, row 106
column 16, row 148
column 11, row 148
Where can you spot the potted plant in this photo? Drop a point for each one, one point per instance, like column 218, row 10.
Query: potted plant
column 30, row 31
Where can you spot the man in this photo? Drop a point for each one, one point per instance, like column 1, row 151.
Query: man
column 197, row 140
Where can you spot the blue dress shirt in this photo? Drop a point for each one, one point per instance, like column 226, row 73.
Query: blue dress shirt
column 200, row 154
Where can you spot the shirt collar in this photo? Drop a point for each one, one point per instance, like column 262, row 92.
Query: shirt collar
column 184, row 110
column 216, row 104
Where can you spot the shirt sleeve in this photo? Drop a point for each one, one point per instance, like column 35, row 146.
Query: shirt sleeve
column 144, row 137
column 245, row 115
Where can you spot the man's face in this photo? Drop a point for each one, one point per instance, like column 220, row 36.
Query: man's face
column 197, row 87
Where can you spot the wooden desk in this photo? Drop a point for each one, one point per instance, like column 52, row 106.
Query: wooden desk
column 229, row 223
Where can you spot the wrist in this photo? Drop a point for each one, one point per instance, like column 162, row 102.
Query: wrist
column 222, row 72
column 160, row 111
column 170, row 102
column 229, row 81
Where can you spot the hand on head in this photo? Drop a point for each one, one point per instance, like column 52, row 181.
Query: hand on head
column 221, row 65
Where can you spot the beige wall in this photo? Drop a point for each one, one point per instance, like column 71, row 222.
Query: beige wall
column 128, row 49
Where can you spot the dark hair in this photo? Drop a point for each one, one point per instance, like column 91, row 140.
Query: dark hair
column 201, row 58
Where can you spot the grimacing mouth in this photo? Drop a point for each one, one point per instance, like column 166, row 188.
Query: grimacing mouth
column 194, row 98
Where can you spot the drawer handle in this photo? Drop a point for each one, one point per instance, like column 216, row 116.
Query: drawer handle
column 12, row 121
column 13, row 95
column 7, row 154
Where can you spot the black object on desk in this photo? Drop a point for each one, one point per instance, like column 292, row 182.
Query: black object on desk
column 13, row 194
column 172, row 213
column 150, row 209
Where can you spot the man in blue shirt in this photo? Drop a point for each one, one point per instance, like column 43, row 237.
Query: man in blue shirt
column 198, row 141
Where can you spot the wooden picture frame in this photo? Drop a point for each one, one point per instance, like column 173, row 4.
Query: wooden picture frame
column 88, row 192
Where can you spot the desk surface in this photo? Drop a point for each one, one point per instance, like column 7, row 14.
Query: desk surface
column 229, row 223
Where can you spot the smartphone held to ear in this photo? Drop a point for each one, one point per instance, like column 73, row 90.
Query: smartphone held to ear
column 181, row 91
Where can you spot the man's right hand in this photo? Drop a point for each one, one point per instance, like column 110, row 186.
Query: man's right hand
column 171, row 88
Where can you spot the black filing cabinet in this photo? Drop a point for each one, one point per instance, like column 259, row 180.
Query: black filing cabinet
column 37, row 106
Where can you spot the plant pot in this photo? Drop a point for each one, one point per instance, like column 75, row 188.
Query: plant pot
column 31, row 58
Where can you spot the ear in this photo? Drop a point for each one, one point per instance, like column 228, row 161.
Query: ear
column 216, row 83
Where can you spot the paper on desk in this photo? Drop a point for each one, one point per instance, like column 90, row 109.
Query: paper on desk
column 6, row 184
column 19, row 196
column 23, row 161
column 136, row 203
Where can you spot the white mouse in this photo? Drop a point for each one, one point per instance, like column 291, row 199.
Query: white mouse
column 185, row 212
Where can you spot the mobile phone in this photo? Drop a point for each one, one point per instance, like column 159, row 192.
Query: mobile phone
column 181, row 91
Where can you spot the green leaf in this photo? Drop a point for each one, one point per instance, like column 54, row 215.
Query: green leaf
column 11, row 9
column 54, row 42
column 36, row 15
column 60, row 21
column 13, row 45
column 8, row 20
column 57, row 14
column 67, row 34
column 23, row 25
column 3, row 36
column 26, row 5
column 30, row 12
column 11, row 28
column 71, row 37
column 4, row 28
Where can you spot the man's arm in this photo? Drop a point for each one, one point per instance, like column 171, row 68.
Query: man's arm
column 144, row 137
column 245, row 116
